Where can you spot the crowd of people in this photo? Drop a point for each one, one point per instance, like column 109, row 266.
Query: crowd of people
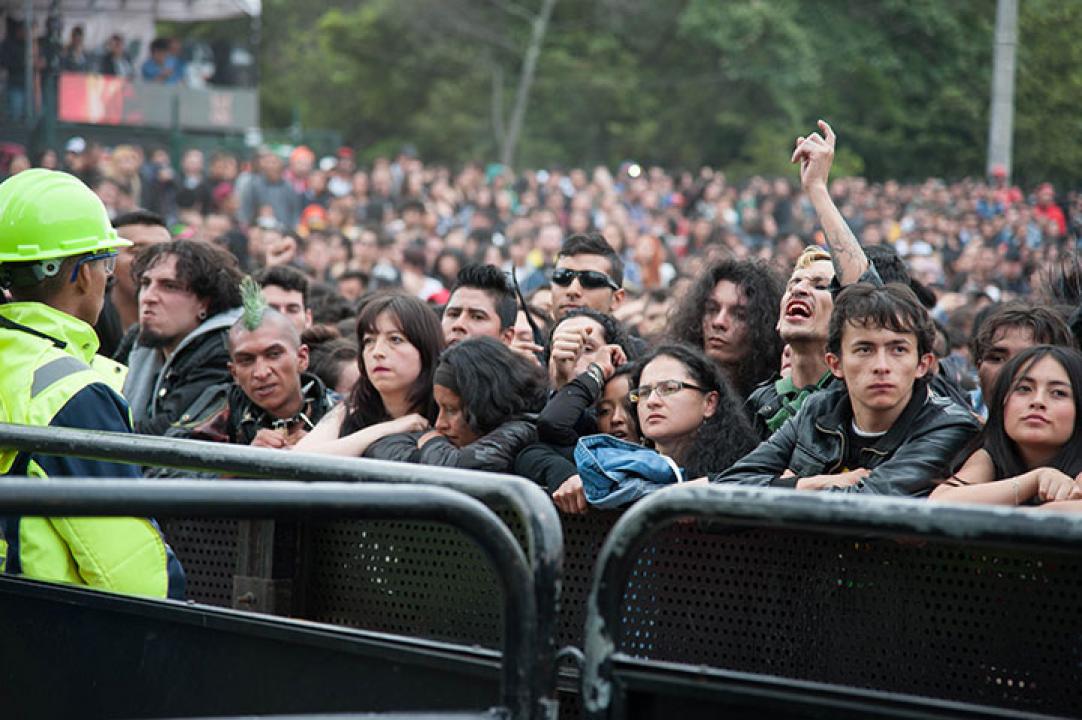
column 602, row 334
column 166, row 62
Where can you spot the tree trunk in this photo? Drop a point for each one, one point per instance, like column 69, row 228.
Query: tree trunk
column 522, row 97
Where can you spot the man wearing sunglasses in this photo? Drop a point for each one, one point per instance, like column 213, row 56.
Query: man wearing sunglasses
column 57, row 251
column 588, row 273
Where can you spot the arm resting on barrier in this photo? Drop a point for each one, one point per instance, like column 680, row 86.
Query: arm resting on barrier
column 546, row 465
column 923, row 457
column 976, row 482
column 767, row 464
column 495, row 452
column 324, row 440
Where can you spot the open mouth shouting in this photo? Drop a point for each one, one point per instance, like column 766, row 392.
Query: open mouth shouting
column 797, row 310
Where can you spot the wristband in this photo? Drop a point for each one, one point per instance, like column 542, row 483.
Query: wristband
column 594, row 370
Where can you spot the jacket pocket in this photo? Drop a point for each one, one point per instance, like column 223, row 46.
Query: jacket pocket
column 806, row 462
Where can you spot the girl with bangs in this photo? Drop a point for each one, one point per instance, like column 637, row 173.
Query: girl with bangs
column 1030, row 451
column 400, row 341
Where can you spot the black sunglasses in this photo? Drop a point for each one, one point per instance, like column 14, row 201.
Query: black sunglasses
column 591, row 279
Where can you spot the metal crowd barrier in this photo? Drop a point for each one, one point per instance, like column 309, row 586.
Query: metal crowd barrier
column 529, row 506
column 90, row 679
column 791, row 604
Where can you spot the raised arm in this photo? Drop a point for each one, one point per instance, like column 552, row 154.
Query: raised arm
column 815, row 154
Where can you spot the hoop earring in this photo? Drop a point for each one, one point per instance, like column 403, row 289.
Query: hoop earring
column 202, row 315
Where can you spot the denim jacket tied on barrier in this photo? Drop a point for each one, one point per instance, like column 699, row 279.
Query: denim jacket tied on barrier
column 616, row 473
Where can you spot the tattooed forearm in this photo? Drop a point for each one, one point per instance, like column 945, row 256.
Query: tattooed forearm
column 848, row 257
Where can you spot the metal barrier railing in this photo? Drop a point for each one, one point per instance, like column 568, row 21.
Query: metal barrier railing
column 774, row 509
column 529, row 502
column 227, row 498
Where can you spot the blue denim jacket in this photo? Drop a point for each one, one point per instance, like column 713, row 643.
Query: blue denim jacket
column 616, row 473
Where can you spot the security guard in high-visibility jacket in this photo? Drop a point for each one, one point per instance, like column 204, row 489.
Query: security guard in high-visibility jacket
column 57, row 251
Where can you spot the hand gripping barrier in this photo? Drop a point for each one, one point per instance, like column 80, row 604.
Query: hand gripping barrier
column 69, row 497
column 526, row 500
column 932, row 610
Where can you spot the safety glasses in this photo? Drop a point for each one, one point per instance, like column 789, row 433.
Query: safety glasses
column 109, row 265
column 590, row 279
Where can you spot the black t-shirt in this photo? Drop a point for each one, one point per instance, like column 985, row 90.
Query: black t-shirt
column 855, row 445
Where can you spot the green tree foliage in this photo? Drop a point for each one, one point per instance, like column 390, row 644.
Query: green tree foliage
column 680, row 82
column 1048, row 94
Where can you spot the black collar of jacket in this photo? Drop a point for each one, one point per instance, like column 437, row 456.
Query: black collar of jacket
column 841, row 414
column 244, row 409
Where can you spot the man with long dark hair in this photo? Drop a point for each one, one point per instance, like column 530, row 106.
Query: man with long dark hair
column 730, row 313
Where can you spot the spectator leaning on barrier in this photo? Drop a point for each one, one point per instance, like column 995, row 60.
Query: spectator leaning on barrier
column 57, row 250
column 272, row 402
column 1030, row 450
column 485, row 394
column 189, row 296
column 880, row 430
column 400, row 340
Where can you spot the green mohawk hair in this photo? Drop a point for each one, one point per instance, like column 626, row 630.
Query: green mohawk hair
column 253, row 302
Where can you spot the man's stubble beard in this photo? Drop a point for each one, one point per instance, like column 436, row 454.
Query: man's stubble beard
column 149, row 338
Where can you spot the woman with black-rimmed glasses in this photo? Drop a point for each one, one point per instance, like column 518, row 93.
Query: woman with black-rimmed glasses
column 688, row 411
column 690, row 418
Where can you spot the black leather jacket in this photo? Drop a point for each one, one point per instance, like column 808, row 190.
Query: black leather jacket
column 494, row 452
column 915, row 452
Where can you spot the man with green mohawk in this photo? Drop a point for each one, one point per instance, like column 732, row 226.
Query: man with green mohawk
column 272, row 402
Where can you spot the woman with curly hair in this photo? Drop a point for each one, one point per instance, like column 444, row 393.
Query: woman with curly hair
column 688, row 412
column 731, row 314
column 690, row 419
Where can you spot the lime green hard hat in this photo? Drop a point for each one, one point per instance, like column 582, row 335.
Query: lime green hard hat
column 46, row 214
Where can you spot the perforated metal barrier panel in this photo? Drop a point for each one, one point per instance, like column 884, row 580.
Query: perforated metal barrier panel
column 935, row 619
column 207, row 550
column 418, row 579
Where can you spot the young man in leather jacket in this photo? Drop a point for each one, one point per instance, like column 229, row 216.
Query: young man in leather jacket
column 878, row 431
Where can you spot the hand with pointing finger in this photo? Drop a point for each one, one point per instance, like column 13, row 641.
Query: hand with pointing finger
column 815, row 154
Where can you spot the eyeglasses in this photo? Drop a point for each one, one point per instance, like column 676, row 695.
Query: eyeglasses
column 665, row 388
column 109, row 265
column 591, row 279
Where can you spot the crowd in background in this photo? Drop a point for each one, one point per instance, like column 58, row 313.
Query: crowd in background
column 400, row 221
column 602, row 279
